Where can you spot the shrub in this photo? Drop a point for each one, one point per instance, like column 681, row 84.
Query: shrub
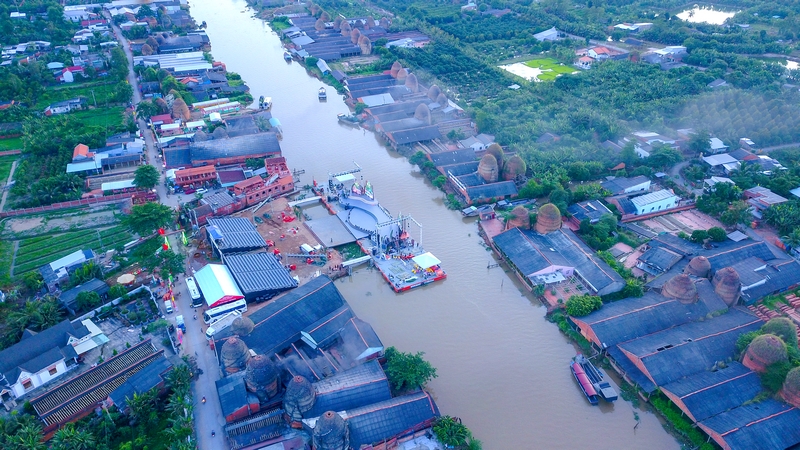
column 744, row 340
column 717, row 234
column 166, row 342
column 581, row 305
column 699, row 236
column 772, row 379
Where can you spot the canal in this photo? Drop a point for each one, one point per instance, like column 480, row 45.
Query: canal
column 502, row 367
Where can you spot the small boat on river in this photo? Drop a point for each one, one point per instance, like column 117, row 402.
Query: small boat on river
column 592, row 380
column 287, row 56
column 350, row 119
column 323, row 95
column 264, row 102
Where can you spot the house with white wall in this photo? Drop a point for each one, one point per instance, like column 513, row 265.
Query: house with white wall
column 654, row 202
column 44, row 356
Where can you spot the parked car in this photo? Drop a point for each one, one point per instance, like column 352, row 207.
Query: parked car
column 201, row 191
column 189, row 191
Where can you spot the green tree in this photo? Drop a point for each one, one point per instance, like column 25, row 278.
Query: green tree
column 147, row 109
column 700, row 142
column 738, row 212
column 29, row 437
column 581, row 305
column 142, row 406
column 145, row 219
column 717, row 234
column 407, row 371
column 88, row 300
column 146, row 177
column 451, row 432
column 698, row 236
column 117, row 291
column 32, row 280
column 629, row 156
column 663, row 157
column 70, row 438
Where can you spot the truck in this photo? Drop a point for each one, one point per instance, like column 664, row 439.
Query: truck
column 181, row 324
column 223, row 322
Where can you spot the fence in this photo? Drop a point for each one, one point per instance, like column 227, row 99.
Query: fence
column 66, row 205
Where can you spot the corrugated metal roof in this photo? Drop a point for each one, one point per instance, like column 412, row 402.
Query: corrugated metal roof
column 325, row 329
column 237, row 234
column 259, row 274
column 253, row 145
column 114, row 185
column 492, row 190
column 652, row 197
column 144, row 380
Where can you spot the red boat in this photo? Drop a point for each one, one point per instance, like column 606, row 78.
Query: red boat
column 584, row 382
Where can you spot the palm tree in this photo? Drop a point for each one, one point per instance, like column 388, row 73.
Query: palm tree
column 142, row 406
column 49, row 314
column 70, row 438
column 792, row 239
column 29, row 437
column 179, row 380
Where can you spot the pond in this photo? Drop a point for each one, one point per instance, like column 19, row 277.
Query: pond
column 706, row 15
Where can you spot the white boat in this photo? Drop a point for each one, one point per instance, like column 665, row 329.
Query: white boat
column 323, row 95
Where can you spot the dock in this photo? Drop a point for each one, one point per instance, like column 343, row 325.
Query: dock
column 386, row 240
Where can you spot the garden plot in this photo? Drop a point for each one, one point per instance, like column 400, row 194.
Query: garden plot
column 35, row 252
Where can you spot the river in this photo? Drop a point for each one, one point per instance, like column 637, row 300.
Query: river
column 502, row 368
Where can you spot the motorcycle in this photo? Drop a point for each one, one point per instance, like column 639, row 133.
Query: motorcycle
column 204, row 400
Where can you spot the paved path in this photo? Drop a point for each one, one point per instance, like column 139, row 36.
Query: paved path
column 5, row 190
column 208, row 416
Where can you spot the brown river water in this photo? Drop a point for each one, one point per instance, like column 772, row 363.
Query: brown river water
column 503, row 369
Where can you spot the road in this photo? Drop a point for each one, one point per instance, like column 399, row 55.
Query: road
column 208, row 416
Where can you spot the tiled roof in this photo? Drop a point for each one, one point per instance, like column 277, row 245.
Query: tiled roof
column 391, row 418
column 672, row 354
column 532, row 252
column 362, row 385
column 251, row 145
column 76, row 395
column 278, row 324
column 149, row 377
column 707, row 393
column 37, row 351
column 768, row 424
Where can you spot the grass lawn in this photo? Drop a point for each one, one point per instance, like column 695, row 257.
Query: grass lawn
column 104, row 117
column 550, row 67
column 11, row 144
column 5, row 166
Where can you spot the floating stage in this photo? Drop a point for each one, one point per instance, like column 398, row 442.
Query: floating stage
column 387, row 240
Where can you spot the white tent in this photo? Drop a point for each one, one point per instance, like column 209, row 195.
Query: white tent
column 426, row 260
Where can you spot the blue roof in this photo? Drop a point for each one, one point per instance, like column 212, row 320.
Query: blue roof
column 632, row 318
column 327, row 328
column 362, row 385
column 532, row 252
column 707, row 394
column 144, row 380
column 764, row 425
column 385, row 420
column 278, row 324
column 672, row 354
column 633, row 373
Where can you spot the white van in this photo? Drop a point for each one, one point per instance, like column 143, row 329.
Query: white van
column 168, row 306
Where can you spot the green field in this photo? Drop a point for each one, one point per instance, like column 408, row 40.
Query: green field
column 100, row 93
column 38, row 251
column 11, row 144
column 104, row 117
column 550, row 67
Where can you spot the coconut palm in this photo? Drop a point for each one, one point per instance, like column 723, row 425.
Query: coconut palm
column 29, row 437
column 70, row 438
column 142, row 406
column 179, row 380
